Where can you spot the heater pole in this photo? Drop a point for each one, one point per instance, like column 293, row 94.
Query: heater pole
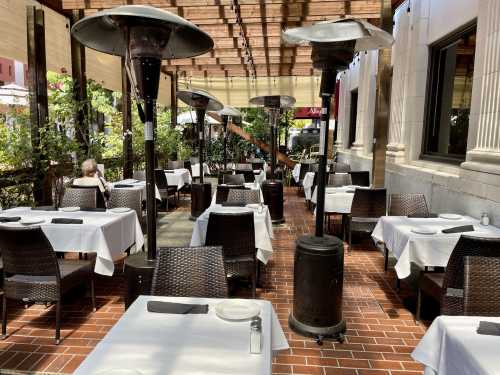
column 327, row 90
column 272, row 114
column 200, row 119
column 150, row 176
column 225, row 120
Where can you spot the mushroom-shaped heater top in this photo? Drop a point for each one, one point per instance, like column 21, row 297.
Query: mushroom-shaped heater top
column 200, row 99
column 274, row 101
column 229, row 111
column 153, row 31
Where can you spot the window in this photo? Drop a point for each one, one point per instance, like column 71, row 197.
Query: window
column 353, row 117
column 449, row 96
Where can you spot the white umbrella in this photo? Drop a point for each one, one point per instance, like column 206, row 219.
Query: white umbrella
column 13, row 94
column 190, row 118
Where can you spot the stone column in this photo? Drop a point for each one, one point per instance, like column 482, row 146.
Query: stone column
column 343, row 113
column 483, row 153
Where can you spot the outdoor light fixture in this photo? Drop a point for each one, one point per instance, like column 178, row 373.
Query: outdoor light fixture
column 273, row 189
column 144, row 35
column 319, row 259
column 227, row 114
column 201, row 101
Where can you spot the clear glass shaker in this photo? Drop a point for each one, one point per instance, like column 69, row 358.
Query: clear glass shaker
column 256, row 335
column 485, row 220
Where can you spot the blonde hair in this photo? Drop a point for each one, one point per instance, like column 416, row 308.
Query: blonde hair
column 89, row 168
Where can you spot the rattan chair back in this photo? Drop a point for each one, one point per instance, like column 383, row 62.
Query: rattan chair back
column 233, row 231
column 340, row 167
column 223, row 191
column 243, row 166
column 78, row 197
column 131, row 198
column 467, row 245
column 99, row 196
column 481, row 286
column 360, row 178
column 339, row 179
column 175, row 164
column 139, row 175
column 190, row 272
column 408, row 204
column 234, row 179
column 369, row 203
column 248, row 174
column 243, row 196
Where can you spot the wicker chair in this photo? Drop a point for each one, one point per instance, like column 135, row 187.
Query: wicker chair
column 235, row 233
column 175, row 164
column 340, row 167
column 368, row 205
column 339, row 179
column 243, row 166
column 222, row 173
column 190, row 272
column 100, row 198
column 256, row 163
column 243, row 196
column 223, row 191
column 248, row 174
column 360, row 178
column 123, row 197
column 76, row 197
column 32, row 272
column 164, row 189
column 448, row 286
column 139, row 175
column 234, row 179
column 481, row 286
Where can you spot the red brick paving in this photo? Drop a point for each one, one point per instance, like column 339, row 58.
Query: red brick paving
column 381, row 332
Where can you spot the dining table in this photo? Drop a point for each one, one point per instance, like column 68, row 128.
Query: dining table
column 453, row 346
column 195, row 170
column 421, row 240
column 178, row 177
column 307, row 184
column 337, row 199
column 108, row 234
column 262, row 224
column 134, row 184
column 152, row 343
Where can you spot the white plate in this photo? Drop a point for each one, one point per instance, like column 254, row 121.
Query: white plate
column 31, row 220
column 70, row 209
column 120, row 210
column 253, row 205
column 423, row 230
column 450, row 216
column 237, row 309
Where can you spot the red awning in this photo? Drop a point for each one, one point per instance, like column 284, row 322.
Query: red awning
column 308, row 113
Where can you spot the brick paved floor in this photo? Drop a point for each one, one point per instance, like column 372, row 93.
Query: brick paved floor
column 381, row 332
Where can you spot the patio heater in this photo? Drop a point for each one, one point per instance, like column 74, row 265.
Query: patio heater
column 201, row 101
column 227, row 114
column 272, row 189
column 144, row 35
column 319, row 259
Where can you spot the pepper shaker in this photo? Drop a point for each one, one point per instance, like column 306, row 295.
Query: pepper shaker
column 256, row 335
column 485, row 220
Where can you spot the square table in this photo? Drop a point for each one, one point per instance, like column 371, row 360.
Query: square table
column 425, row 250
column 262, row 224
column 137, row 185
column 190, row 344
column 178, row 177
column 296, row 172
column 451, row 346
column 337, row 199
column 307, row 184
column 107, row 234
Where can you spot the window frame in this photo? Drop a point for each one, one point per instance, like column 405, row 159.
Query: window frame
column 432, row 91
column 353, row 115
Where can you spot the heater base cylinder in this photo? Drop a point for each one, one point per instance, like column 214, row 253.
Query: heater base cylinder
column 201, row 195
column 272, row 190
column 138, row 275
column 318, row 284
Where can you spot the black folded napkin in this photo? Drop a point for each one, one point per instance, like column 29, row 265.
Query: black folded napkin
column 420, row 216
column 234, row 204
column 92, row 209
column 9, row 219
column 123, row 186
column 65, row 220
column 169, row 171
column 44, row 208
column 460, row 229
column 176, row 308
column 488, row 328
column 350, row 191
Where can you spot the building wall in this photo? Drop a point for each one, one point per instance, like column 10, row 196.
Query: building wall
column 474, row 186
column 7, row 71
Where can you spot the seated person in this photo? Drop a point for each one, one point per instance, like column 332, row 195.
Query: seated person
column 91, row 176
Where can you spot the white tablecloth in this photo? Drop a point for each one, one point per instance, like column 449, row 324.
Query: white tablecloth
column 260, row 177
column 423, row 249
column 191, row 344
column 337, row 199
column 105, row 233
column 248, row 185
column 138, row 185
column 296, row 172
column 262, row 224
column 195, row 169
column 179, row 177
column 307, row 184
column 452, row 346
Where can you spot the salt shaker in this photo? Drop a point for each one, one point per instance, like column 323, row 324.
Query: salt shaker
column 256, row 335
column 485, row 220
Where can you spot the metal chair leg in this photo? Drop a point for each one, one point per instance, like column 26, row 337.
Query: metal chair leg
column 386, row 258
column 419, row 305
column 58, row 322
column 92, row 293
column 254, row 280
column 4, row 317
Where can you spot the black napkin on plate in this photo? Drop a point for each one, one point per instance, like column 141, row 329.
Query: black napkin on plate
column 488, row 328
column 460, row 229
column 169, row 171
column 93, row 209
column 9, row 219
column 234, row 204
column 420, row 216
column 123, row 186
column 176, row 308
column 65, row 220
column 44, row 208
